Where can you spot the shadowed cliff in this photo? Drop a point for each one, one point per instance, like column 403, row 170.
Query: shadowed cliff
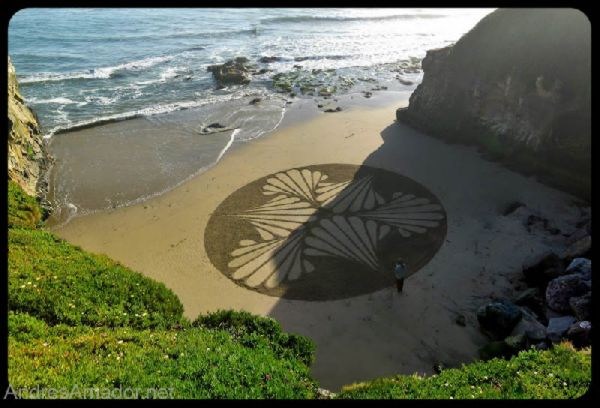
column 519, row 86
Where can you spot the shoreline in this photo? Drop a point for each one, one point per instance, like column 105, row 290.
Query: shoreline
column 299, row 110
column 357, row 338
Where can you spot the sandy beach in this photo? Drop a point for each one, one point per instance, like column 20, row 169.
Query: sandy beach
column 374, row 334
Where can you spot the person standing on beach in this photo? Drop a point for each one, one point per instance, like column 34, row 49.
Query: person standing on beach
column 400, row 273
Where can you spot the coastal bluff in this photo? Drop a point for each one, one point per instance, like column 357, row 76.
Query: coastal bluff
column 518, row 86
column 27, row 156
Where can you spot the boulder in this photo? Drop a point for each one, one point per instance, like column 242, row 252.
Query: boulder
column 582, row 306
column 517, row 342
column 268, row 60
column 563, row 288
column 547, row 268
column 580, row 334
column 558, row 326
column 234, row 72
column 579, row 248
column 581, row 266
column 496, row 349
column 499, row 317
column 460, row 320
column 530, row 327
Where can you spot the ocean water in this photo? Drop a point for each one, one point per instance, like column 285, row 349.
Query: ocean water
column 80, row 66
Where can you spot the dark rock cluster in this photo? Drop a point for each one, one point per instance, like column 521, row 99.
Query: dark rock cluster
column 557, row 306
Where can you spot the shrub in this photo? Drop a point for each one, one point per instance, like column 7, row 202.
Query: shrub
column 252, row 330
column 561, row 372
column 192, row 362
column 23, row 210
column 60, row 283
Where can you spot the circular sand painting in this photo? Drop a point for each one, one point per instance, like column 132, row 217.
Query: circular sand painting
column 325, row 231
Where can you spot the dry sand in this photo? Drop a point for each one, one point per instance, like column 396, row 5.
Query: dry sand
column 377, row 334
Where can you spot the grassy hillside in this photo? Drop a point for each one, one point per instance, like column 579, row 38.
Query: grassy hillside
column 561, row 372
column 78, row 321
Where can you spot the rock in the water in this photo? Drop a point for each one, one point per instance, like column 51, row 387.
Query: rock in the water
column 332, row 109
column 404, row 81
column 499, row 317
column 496, row 349
column 255, row 101
column 234, row 72
column 558, row 326
column 460, row 320
column 530, row 327
column 268, row 60
column 563, row 288
column 581, row 266
column 582, row 306
column 515, row 94
column 579, row 248
column 580, row 334
column 544, row 270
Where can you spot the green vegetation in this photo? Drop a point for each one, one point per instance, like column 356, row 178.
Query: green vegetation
column 81, row 320
column 561, row 372
column 191, row 362
column 23, row 210
column 251, row 330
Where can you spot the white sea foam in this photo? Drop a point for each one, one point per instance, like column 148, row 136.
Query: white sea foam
column 96, row 73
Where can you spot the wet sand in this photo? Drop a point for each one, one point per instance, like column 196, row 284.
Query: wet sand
column 371, row 335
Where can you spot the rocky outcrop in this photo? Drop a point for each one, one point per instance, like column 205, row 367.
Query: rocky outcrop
column 27, row 156
column 234, row 72
column 519, row 86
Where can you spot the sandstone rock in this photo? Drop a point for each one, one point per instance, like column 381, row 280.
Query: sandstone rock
column 515, row 93
column 563, row 288
column 582, row 306
column 28, row 159
column 558, row 326
column 580, row 334
column 499, row 317
column 581, row 266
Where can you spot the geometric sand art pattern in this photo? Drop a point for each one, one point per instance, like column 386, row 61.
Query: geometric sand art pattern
column 324, row 232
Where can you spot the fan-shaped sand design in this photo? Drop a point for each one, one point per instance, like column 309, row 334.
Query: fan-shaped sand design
column 269, row 263
column 297, row 183
column 309, row 218
column 347, row 237
column 408, row 213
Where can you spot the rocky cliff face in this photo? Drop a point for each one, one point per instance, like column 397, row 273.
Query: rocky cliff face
column 27, row 157
column 519, row 86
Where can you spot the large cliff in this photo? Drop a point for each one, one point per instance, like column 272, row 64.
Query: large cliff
column 27, row 156
column 519, row 86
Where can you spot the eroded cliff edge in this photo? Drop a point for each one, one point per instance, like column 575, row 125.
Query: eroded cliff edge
column 519, row 86
column 28, row 159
